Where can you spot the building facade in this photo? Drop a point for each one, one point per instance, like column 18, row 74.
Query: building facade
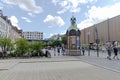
column 108, row 30
column 7, row 29
column 33, row 36
column 15, row 34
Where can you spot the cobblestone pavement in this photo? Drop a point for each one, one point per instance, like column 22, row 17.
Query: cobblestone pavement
column 101, row 61
column 61, row 68
column 6, row 64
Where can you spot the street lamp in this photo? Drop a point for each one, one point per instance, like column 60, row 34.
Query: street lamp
column 97, row 41
column 88, row 34
column 70, row 43
column 108, row 30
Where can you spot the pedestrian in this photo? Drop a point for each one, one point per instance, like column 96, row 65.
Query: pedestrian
column 63, row 51
column 83, row 50
column 109, row 50
column 54, row 51
column 58, row 50
column 46, row 53
column 115, row 48
column 103, row 48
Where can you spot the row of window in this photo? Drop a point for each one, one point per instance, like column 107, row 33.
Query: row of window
column 34, row 38
column 32, row 35
column 28, row 33
column 4, row 27
column 3, row 34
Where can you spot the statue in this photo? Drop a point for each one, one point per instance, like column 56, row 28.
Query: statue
column 73, row 20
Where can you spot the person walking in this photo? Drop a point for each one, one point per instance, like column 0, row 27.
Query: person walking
column 115, row 48
column 54, row 51
column 109, row 50
column 83, row 50
column 63, row 51
column 58, row 50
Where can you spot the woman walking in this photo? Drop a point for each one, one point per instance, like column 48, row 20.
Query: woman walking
column 83, row 50
column 109, row 49
column 115, row 48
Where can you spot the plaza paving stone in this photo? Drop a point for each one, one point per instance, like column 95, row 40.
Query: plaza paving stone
column 101, row 61
column 60, row 68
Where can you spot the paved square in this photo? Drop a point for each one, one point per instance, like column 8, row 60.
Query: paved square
column 67, row 68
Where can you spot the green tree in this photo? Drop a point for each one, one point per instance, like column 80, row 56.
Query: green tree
column 5, row 44
column 64, row 40
column 36, row 49
column 22, row 47
column 56, row 43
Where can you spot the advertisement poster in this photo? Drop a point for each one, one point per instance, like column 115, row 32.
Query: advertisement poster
column 78, row 41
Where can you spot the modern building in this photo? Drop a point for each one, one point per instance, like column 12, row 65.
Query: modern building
column 7, row 29
column 108, row 30
column 33, row 36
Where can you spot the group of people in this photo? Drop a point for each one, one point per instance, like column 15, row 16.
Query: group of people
column 59, row 50
column 109, row 47
column 112, row 47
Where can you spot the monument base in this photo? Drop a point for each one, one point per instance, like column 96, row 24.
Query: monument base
column 73, row 52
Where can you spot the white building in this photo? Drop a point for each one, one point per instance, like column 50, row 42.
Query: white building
column 7, row 30
column 33, row 36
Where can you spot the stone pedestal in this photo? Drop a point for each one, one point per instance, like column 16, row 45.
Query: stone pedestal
column 73, row 52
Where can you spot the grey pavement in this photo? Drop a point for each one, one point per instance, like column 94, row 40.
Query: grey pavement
column 61, row 68
column 102, row 60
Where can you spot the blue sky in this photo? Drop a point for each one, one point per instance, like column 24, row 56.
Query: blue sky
column 53, row 16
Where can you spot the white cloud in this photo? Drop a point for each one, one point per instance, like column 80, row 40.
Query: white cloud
column 14, row 21
column 85, row 23
column 1, row 7
column 31, row 14
column 61, row 11
column 51, row 34
column 54, row 21
column 98, row 14
column 26, row 19
column 101, row 13
column 63, row 32
column 27, row 5
column 70, row 5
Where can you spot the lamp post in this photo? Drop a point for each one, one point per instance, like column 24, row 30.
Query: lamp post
column 84, row 35
column 70, row 43
column 108, row 30
column 88, row 34
column 97, row 41
column 97, row 49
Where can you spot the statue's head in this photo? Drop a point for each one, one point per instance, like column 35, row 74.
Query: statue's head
column 73, row 20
